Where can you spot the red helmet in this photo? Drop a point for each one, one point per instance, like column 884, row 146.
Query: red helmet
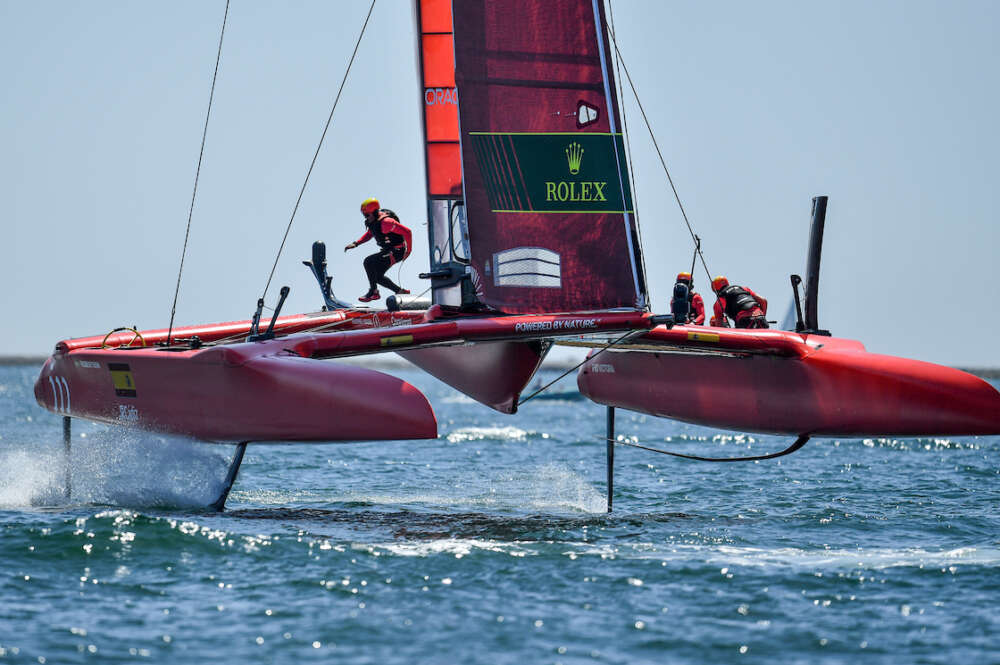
column 684, row 277
column 369, row 206
column 719, row 283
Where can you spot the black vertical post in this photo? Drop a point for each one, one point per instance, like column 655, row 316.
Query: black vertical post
column 799, row 324
column 812, row 268
column 66, row 446
column 611, row 454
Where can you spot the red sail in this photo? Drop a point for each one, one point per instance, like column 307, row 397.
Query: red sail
column 547, row 198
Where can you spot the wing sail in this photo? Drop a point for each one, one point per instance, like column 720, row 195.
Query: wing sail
column 551, row 222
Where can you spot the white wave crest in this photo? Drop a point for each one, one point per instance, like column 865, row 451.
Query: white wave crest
column 457, row 547
column 871, row 558
column 842, row 560
column 508, row 433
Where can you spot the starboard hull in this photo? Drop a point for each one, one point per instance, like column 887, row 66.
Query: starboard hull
column 783, row 383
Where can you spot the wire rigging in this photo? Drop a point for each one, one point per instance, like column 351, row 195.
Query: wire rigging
column 798, row 443
column 197, row 174
column 624, row 338
column 659, row 153
column 329, row 120
column 628, row 151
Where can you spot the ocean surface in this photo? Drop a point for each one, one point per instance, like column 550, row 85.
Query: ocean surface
column 492, row 545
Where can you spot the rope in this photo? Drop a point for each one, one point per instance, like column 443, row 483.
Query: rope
column 628, row 151
column 624, row 338
column 399, row 276
column 316, row 154
column 659, row 153
column 694, row 257
column 642, row 289
column 201, row 152
column 799, row 442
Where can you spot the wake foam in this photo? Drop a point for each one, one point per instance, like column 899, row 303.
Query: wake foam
column 31, row 479
column 552, row 487
column 116, row 466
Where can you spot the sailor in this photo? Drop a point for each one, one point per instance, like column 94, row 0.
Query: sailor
column 394, row 241
column 739, row 303
column 694, row 311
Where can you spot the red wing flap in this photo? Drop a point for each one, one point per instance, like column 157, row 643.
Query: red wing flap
column 492, row 373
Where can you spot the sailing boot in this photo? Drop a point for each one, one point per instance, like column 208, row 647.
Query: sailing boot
column 371, row 295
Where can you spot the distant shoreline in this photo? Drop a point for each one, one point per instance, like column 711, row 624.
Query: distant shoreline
column 23, row 360
column 390, row 362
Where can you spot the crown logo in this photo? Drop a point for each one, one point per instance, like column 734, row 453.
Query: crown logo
column 574, row 155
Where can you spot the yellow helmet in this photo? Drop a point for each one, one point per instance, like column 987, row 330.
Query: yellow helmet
column 369, row 206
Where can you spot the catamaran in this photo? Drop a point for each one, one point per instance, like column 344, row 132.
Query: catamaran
column 533, row 239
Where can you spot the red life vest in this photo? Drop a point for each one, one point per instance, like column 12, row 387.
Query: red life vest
column 384, row 240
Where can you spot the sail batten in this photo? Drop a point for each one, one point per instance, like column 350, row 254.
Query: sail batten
column 538, row 83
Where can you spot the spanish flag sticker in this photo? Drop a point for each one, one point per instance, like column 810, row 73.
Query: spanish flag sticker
column 121, row 377
column 702, row 337
column 396, row 340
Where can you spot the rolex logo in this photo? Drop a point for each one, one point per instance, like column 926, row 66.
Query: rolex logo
column 574, row 155
column 574, row 191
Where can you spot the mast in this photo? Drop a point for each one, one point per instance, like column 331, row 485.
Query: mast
column 447, row 228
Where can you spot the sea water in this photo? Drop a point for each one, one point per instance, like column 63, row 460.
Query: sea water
column 492, row 545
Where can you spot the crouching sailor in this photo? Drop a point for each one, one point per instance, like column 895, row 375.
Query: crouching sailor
column 687, row 305
column 739, row 303
column 395, row 242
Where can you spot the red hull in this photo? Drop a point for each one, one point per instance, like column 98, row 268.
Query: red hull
column 785, row 383
column 230, row 394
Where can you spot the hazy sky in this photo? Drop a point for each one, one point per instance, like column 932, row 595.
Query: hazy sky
column 890, row 108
